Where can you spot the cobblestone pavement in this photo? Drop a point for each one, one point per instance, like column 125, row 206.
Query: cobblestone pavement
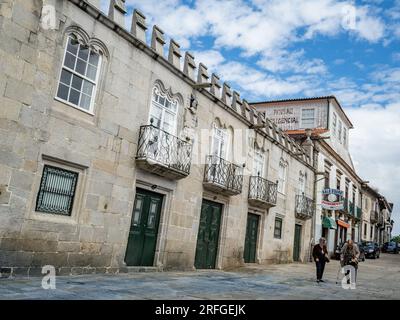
column 377, row 279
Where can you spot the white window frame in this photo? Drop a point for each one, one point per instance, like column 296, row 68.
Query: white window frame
column 164, row 109
column 94, row 83
column 282, row 179
column 220, row 135
column 308, row 118
column 258, row 162
column 302, row 183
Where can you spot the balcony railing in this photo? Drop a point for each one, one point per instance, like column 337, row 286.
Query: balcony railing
column 162, row 153
column 222, row 176
column 262, row 192
column 374, row 216
column 304, row 207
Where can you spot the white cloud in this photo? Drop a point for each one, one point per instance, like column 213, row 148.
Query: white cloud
column 375, row 146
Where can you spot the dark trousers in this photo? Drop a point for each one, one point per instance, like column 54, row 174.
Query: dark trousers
column 320, row 268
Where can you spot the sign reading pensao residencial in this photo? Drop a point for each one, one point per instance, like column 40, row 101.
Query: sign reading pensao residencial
column 332, row 199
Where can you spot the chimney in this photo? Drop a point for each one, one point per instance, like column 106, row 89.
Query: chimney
column 189, row 65
column 157, row 40
column 117, row 12
column 139, row 26
column 174, row 55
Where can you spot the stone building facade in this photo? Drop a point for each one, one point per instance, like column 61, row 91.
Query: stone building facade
column 325, row 122
column 115, row 153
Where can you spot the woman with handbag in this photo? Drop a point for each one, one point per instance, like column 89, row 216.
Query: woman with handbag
column 320, row 255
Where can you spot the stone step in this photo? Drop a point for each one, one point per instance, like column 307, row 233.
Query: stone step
column 142, row 269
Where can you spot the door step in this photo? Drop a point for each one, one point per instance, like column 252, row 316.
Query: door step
column 143, row 269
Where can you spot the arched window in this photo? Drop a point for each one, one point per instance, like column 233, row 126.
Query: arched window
column 164, row 110
column 79, row 75
column 219, row 142
column 258, row 162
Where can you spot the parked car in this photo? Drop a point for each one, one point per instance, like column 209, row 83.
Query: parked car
column 391, row 247
column 372, row 249
column 360, row 247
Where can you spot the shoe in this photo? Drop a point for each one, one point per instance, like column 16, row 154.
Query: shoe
column 318, row 281
column 321, row 280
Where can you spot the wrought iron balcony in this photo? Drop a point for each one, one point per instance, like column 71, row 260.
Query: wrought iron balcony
column 374, row 216
column 222, row 176
column 304, row 207
column 162, row 153
column 262, row 192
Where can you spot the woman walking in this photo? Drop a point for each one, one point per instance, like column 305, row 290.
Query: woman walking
column 320, row 255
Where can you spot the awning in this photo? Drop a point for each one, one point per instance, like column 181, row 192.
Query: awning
column 329, row 223
column 343, row 224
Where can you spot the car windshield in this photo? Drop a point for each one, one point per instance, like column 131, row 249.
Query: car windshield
column 368, row 244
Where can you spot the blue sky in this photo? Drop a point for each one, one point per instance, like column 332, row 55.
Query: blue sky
column 271, row 49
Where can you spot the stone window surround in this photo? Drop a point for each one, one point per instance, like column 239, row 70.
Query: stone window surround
column 95, row 44
column 77, row 205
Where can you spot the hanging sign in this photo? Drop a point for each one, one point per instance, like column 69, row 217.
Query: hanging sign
column 332, row 199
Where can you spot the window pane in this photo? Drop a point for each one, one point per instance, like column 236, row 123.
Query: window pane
column 151, row 221
column 94, row 59
column 155, row 114
column 138, row 210
column 83, row 53
column 161, row 100
column 74, row 97
column 87, row 88
column 80, row 67
column 85, row 102
column 66, row 77
column 62, row 92
column 77, row 83
column 70, row 61
column 72, row 46
column 91, row 72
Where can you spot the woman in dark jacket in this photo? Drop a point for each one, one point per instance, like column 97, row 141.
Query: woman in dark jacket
column 320, row 255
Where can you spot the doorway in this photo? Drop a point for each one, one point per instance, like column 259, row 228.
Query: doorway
column 143, row 232
column 208, row 235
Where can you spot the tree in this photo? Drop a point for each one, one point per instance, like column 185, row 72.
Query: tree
column 396, row 239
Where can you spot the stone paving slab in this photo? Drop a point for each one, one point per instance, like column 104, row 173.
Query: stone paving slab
column 377, row 279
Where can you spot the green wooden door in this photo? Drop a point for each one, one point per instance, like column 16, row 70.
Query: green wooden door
column 250, row 244
column 208, row 236
column 297, row 242
column 144, row 229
